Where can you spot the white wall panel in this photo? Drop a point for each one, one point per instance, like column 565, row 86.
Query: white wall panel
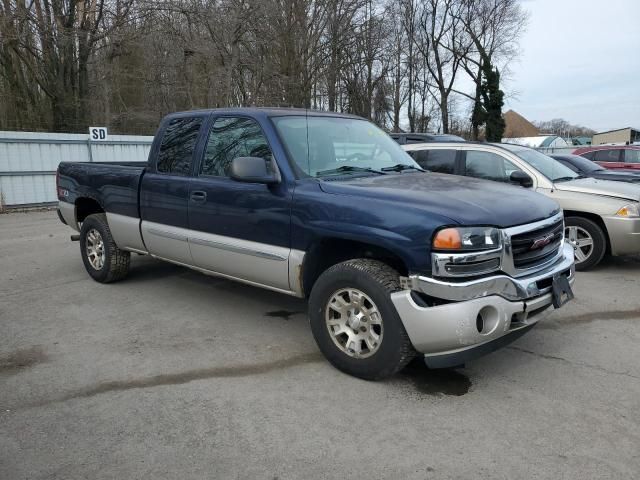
column 28, row 161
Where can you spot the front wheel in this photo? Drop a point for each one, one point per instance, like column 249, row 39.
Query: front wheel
column 588, row 241
column 354, row 322
column 102, row 258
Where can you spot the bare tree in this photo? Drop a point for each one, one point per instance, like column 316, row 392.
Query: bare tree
column 494, row 28
column 53, row 41
column 126, row 63
column 444, row 43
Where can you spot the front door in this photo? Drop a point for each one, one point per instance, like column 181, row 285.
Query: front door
column 164, row 197
column 239, row 229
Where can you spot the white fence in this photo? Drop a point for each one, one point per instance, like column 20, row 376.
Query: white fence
column 28, row 161
column 559, row 150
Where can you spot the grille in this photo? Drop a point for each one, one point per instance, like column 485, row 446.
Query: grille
column 527, row 254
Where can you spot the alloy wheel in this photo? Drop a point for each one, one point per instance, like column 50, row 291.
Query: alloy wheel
column 581, row 241
column 354, row 323
column 95, row 249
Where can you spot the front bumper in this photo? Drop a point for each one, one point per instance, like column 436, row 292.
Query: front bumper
column 624, row 234
column 480, row 316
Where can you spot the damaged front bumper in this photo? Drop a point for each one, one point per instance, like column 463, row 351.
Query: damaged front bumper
column 473, row 318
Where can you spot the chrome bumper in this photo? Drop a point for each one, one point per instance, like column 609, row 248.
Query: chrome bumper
column 483, row 315
column 503, row 285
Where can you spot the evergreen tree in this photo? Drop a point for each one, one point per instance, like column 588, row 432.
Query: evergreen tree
column 493, row 100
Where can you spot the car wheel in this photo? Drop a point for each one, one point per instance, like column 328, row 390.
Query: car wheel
column 588, row 241
column 354, row 321
column 102, row 258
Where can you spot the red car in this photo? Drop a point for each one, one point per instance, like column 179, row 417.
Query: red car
column 612, row 156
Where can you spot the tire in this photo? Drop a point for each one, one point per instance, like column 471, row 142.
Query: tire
column 587, row 255
column 95, row 237
column 375, row 281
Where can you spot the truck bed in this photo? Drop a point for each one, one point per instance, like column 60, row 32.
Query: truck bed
column 112, row 184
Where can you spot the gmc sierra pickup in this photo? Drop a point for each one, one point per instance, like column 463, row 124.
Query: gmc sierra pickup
column 395, row 261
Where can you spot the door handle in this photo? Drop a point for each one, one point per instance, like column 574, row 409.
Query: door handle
column 199, row 197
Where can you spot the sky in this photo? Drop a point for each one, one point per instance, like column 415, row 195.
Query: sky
column 580, row 60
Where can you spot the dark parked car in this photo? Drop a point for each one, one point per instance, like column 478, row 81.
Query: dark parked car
column 612, row 156
column 394, row 261
column 407, row 138
column 587, row 168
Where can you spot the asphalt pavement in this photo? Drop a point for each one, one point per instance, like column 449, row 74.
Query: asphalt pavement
column 171, row 374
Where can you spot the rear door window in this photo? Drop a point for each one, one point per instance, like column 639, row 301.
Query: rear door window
column 232, row 137
column 441, row 161
column 588, row 155
column 178, row 142
column 607, row 155
column 631, row 156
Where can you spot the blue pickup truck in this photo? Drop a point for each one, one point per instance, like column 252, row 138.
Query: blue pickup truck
column 394, row 261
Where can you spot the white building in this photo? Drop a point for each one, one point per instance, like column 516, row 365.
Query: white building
column 539, row 141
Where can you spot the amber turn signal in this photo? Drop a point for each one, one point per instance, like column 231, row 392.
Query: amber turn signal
column 447, row 239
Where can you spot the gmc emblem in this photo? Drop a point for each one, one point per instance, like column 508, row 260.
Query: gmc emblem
column 542, row 241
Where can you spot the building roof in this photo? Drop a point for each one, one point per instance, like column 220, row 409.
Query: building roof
column 538, row 141
column 618, row 130
column 582, row 140
column 518, row 126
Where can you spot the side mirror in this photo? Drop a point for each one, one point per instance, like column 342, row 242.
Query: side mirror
column 254, row 170
column 521, row 178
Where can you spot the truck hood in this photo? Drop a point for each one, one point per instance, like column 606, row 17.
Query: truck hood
column 608, row 188
column 464, row 200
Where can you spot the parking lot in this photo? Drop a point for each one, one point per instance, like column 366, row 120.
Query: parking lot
column 173, row 374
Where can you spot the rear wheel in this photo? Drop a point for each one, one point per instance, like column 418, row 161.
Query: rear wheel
column 354, row 321
column 102, row 258
column 588, row 241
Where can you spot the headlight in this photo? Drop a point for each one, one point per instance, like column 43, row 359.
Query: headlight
column 467, row 239
column 631, row 210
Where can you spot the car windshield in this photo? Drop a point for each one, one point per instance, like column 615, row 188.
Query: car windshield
column 324, row 146
column 584, row 164
column 546, row 165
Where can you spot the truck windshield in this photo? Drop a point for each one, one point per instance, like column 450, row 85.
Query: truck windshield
column 547, row 166
column 325, row 146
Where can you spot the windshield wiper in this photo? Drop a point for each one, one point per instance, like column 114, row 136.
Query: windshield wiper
column 349, row 168
column 565, row 179
column 400, row 167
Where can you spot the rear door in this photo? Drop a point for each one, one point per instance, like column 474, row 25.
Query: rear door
column 239, row 229
column 164, row 190
column 609, row 157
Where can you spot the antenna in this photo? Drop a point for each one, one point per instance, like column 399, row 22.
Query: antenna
column 306, row 121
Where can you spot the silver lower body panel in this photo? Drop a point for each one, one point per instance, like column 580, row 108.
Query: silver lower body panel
column 453, row 327
column 68, row 212
column 457, row 330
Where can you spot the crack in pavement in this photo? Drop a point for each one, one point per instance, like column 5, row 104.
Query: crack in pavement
column 572, row 363
column 8, row 294
column 183, row 377
column 592, row 316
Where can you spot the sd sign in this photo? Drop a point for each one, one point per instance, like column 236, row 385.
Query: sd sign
column 97, row 134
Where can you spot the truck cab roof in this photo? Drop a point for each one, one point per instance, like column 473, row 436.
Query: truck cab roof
column 263, row 111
